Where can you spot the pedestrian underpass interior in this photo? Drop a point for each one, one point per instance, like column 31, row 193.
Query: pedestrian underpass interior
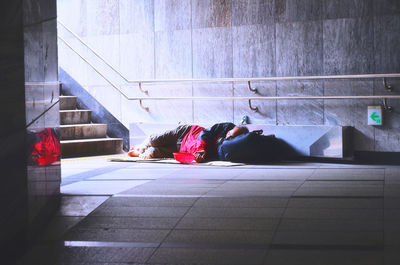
column 304, row 70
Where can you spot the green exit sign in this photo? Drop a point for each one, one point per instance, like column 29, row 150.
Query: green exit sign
column 375, row 115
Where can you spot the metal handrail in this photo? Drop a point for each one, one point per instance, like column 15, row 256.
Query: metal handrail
column 256, row 109
column 92, row 50
column 41, row 114
column 239, row 79
column 269, row 98
column 94, row 68
column 56, row 83
column 255, row 79
column 248, row 80
column 219, row 80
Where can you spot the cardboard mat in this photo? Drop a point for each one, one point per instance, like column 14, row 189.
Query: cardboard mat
column 173, row 161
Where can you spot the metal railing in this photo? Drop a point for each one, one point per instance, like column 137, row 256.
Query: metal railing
column 140, row 83
column 42, row 102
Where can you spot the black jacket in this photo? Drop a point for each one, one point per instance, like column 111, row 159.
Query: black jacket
column 215, row 135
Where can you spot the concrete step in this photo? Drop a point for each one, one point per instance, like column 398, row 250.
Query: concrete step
column 67, row 102
column 83, row 131
column 91, row 147
column 75, row 116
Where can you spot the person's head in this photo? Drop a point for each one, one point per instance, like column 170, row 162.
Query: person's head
column 238, row 130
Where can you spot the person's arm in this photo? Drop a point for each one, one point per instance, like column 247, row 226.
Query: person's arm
column 210, row 136
column 217, row 130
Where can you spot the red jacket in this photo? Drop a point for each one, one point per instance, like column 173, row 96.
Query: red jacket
column 191, row 142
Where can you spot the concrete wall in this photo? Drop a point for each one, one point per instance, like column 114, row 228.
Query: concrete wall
column 28, row 52
column 41, row 66
column 163, row 39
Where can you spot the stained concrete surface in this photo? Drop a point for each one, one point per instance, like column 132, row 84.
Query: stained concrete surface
column 289, row 213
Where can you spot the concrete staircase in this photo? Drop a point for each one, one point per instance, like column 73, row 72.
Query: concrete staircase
column 80, row 137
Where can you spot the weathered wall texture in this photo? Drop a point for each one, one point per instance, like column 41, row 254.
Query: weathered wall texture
column 163, row 39
column 41, row 92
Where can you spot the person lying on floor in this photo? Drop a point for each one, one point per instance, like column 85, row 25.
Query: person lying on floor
column 254, row 147
column 202, row 143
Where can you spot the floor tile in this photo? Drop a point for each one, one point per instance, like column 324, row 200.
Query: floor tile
column 116, row 235
column 320, row 238
column 392, row 202
column 348, row 174
column 141, row 211
column 392, row 175
column 228, row 223
column 340, row 192
column 250, row 193
column 235, row 212
column 79, row 205
column 325, row 257
column 207, row 256
column 336, row 203
column 392, row 214
column 135, row 174
column 241, row 202
column 219, row 237
column 334, row 213
column 261, row 184
column 106, row 222
column 58, row 226
column 275, row 174
column 155, row 190
column 392, row 238
column 391, row 255
column 148, row 202
column 344, row 183
column 51, row 255
column 392, row 190
column 331, row 225
column 100, row 187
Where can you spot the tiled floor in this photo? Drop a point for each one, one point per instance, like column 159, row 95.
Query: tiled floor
column 132, row 213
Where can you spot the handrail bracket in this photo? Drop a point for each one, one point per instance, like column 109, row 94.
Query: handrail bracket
column 143, row 107
column 255, row 109
column 142, row 90
column 388, row 87
column 386, row 107
column 254, row 90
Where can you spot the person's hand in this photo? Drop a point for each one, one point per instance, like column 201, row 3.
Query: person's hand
column 200, row 156
column 232, row 133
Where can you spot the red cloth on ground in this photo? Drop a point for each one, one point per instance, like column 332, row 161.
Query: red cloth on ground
column 191, row 142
